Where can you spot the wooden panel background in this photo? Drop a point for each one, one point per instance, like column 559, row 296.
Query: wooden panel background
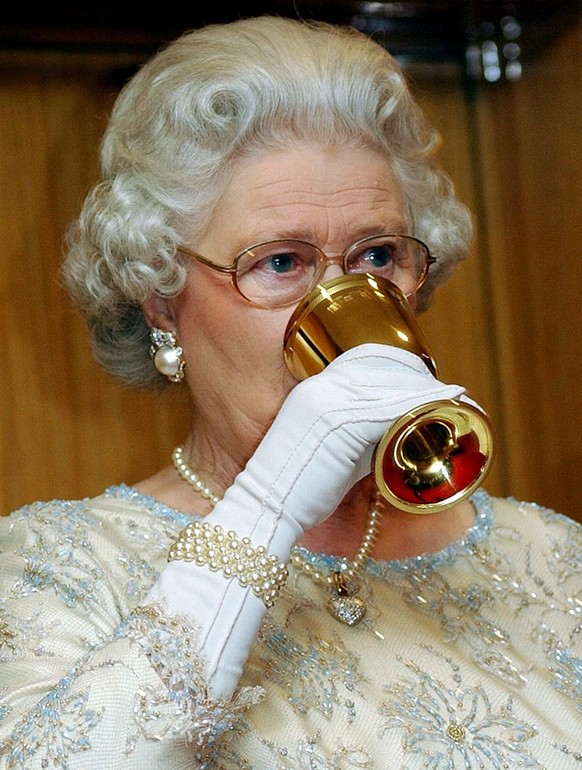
column 507, row 325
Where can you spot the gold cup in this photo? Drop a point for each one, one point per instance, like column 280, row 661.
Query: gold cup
column 435, row 455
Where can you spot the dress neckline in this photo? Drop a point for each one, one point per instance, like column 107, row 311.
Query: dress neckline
column 474, row 535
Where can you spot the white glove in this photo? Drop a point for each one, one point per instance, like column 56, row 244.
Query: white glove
column 319, row 445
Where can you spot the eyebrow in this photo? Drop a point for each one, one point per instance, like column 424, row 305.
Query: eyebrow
column 398, row 227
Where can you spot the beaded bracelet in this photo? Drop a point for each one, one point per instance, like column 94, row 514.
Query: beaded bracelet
column 211, row 546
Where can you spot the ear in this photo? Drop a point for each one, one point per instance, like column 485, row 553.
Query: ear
column 159, row 311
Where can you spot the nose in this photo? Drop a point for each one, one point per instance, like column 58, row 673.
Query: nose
column 333, row 268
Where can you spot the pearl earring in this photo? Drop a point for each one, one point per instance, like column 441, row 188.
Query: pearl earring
column 167, row 355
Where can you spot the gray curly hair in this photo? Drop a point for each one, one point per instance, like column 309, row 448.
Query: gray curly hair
column 180, row 125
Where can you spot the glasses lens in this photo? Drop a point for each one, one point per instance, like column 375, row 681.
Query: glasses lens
column 398, row 258
column 277, row 273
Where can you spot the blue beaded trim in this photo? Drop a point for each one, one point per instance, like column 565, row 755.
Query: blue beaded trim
column 480, row 529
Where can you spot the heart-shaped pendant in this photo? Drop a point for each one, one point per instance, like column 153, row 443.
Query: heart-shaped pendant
column 347, row 609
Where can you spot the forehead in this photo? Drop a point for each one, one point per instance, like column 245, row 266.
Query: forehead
column 306, row 191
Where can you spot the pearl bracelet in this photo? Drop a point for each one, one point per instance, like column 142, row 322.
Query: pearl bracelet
column 212, row 547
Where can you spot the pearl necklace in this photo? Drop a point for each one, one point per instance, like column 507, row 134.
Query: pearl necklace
column 346, row 607
column 192, row 478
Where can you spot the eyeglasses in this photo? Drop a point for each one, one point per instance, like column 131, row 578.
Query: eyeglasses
column 279, row 273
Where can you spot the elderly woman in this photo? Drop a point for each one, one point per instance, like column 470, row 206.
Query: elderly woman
column 256, row 604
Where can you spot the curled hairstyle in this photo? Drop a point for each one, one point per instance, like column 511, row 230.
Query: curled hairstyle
column 179, row 126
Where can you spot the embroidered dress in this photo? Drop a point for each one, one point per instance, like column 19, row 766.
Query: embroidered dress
column 468, row 658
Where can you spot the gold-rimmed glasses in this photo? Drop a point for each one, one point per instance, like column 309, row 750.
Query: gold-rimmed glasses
column 279, row 273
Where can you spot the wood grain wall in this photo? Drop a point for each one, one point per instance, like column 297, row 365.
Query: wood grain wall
column 507, row 325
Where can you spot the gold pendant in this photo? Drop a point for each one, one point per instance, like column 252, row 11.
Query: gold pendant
column 344, row 607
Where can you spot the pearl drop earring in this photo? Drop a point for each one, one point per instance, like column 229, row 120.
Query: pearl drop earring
column 166, row 354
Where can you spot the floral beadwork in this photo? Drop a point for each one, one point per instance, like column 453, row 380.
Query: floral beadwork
column 140, row 574
column 59, row 556
column 451, row 725
column 8, row 633
column 565, row 667
column 21, row 635
column 57, row 728
column 184, row 707
column 307, row 754
column 312, row 674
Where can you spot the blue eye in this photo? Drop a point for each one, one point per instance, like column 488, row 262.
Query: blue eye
column 378, row 256
column 282, row 263
column 277, row 273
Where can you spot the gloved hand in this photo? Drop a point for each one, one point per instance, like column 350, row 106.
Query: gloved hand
column 319, row 445
column 322, row 441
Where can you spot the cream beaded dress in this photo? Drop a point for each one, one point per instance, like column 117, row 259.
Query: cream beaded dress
column 468, row 658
